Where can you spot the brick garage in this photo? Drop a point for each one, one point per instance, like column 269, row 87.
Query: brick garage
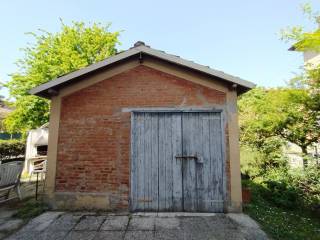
column 92, row 160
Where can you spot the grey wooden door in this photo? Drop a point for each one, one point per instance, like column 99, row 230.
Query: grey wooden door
column 177, row 162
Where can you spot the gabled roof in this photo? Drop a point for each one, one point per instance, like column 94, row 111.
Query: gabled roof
column 139, row 49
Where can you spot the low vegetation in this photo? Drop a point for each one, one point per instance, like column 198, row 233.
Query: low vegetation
column 30, row 208
column 285, row 201
column 12, row 149
column 277, row 219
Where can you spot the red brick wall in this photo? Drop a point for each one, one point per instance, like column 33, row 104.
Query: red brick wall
column 94, row 133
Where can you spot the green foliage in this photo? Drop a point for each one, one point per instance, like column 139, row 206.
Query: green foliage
column 308, row 183
column 278, row 222
column 303, row 39
column 11, row 149
column 280, row 185
column 309, row 42
column 256, row 162
column 30, row 209
column 30, row 112
column 281, row 194
column 283, row 113
column 53, row 55
column 278, row 190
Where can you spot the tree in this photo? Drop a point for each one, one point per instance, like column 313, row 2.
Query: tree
column 307, row 41
column 53, row 55
column 283, row 112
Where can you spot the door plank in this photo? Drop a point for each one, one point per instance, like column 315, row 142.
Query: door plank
column 176, row 163
column 154, row 162
column 147, row 134
column 133, row 182
column 140, row 165
column 217, row 163
column 162, row 162
column 189, row 165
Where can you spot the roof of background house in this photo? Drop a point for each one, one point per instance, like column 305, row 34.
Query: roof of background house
column 139, row 49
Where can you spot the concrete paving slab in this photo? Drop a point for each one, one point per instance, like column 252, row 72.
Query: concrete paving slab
column 141, row 223
column 2, row 220
column 221, row 222
column 139, row 235
column 194, row 224
column 2, row 235
column 71, row 226
column 45, row 235
column 81, row 235
column 167, row 223
column 225, row 234
column 170, row 234
column 53, row 235
column 10, row 225
column 90, row 223
column 109, row 235
column 248, row 227
column 243, row 220
column 65, row 222
column 115, row 223
column 24, row 236
column 42, row 222
column 7, row 213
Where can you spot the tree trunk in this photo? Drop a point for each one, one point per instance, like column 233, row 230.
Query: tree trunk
column 304, row 156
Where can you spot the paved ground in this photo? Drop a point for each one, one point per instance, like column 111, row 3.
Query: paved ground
column 59, row 225
column 8, row 221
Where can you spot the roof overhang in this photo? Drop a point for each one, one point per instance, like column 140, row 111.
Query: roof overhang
column 51, row 88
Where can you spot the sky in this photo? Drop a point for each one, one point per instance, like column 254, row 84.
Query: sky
column 238, row 37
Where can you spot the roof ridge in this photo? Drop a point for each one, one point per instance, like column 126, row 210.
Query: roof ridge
column 47, row 89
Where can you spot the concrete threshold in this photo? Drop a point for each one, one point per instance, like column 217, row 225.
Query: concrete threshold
column 174, row 214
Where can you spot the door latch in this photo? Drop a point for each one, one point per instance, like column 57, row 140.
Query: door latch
column 187, row 157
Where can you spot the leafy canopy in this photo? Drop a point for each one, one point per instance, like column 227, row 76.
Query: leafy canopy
column 304, row 40
column 284, row 113
column 53, row 55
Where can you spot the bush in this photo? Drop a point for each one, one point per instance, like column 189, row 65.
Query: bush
column 278, row 222
column 294, row 188
column 11, row 149
column 257, row 162
column 282, row 195
column 280, row 185
column 308, row 182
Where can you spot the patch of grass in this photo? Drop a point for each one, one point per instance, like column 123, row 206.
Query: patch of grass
column 280, row 223
column 31, row 208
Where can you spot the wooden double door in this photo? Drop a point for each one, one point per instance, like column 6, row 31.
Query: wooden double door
column 177, row 162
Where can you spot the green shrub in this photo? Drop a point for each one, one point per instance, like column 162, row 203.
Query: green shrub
column 10, row 149
column 280, row 185
column 279, row 222
column 282, row 195
column 257, row 162
column 308, row 182
column 294, row 188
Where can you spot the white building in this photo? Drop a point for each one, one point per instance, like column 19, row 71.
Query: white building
column 36, row 147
